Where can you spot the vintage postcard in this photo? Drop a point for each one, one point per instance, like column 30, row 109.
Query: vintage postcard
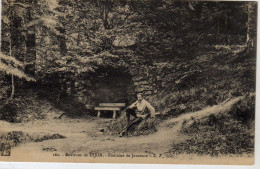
column 128, row 81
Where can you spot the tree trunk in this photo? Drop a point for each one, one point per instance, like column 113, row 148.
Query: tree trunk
column 251, row 24
column 13, row 88
column 226, row 22
column 217, row 34
column 30, row 44
column 62, row 40
column 10, row 53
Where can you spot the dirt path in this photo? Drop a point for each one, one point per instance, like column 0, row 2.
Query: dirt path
column 83, row 136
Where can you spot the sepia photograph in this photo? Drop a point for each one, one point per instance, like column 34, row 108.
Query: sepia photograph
column 128, row 81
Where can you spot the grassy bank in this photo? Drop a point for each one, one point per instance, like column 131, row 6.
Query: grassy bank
column 227, row 133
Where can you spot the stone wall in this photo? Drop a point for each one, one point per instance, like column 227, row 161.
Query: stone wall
column 109, row 83
column 114, row 85
column 143, row 79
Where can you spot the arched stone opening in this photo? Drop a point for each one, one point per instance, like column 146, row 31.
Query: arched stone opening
column 112, row 85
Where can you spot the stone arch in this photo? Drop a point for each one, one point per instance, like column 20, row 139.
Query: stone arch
column 113, row 85
column 107, row 85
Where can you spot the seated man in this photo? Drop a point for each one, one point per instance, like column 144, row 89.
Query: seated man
column 138, row 110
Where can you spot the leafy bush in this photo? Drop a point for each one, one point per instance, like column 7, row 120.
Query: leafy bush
column 49, row 137
column 15, row 137
column 9, row 111
column 244, row 110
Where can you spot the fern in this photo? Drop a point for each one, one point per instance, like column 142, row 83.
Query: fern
column 12, row 66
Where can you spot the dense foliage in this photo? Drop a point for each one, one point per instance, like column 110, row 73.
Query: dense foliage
column 64, row 55
column 90, row 33
column 181, row 44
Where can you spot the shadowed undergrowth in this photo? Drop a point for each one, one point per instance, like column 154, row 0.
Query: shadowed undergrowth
column 229, row 132
column 15, row 138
